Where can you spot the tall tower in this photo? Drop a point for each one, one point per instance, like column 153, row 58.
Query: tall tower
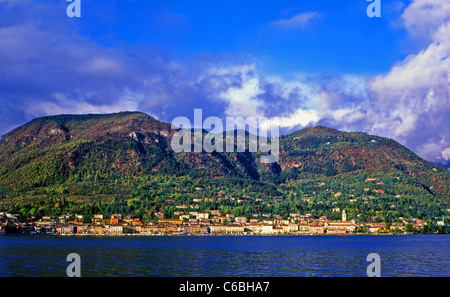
column 344, row 216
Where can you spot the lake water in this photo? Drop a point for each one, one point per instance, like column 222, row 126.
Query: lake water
column 224, row 256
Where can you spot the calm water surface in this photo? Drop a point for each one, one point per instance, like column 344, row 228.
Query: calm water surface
column 421, row 255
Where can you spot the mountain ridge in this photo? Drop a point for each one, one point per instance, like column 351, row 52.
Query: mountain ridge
column 48, row 130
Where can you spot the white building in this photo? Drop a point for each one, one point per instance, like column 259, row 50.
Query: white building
column 241, row 220
column 267, row 229
column 202, row 215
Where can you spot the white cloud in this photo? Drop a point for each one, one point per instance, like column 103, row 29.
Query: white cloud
column 426, row 69
column 298, row 21
column 446, row 154
column 423, row 17
column 240, row 99
column 66, row 104
column 347, row 115
column 302, row 117
column 103, row 66
column 257, row 97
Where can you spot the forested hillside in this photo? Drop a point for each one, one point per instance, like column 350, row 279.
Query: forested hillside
column 123, row 163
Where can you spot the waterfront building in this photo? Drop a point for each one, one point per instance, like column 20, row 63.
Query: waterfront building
column 267, row 229
column 316, row 229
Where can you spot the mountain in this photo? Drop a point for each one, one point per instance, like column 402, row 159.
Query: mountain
column 99, row 162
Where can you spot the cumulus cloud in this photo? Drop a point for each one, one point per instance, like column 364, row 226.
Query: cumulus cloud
column 258, row 96
column 422, row 18
column 446, row 154
column 416, row 92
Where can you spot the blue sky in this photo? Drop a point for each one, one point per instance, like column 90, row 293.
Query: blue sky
column 248, row 30
column 308, row 62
